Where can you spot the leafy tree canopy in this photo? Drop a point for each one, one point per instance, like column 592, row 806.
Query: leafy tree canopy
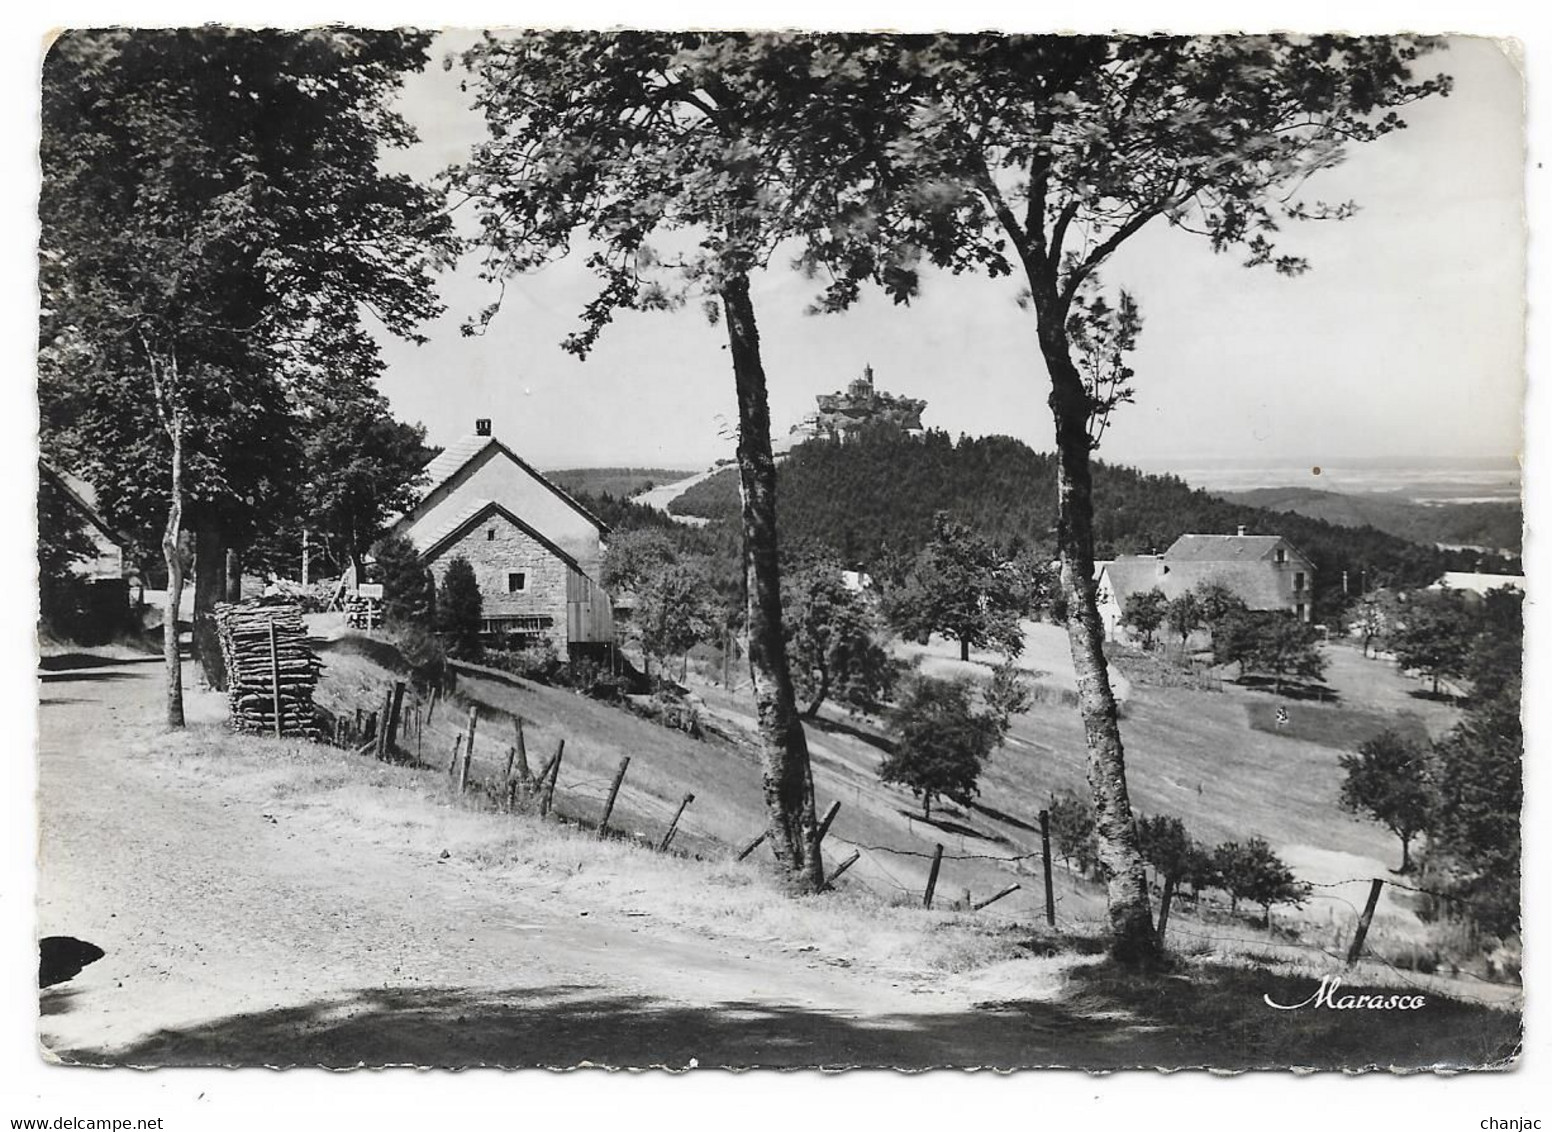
column 1143, row 612
column 961, row 587
column 1390, row 780
column 834, row 639
column 1269, row 643
column 941, row 739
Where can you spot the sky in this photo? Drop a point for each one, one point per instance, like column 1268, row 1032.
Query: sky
column 1405, row 342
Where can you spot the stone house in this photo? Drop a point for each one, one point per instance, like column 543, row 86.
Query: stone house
column 535, row 550
column 1266, row 572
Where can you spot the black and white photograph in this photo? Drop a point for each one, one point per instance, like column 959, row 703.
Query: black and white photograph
column 661, row 549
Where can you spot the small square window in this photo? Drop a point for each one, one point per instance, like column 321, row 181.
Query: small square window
column 517, row 582
column 1282, row 555
column 490, row 535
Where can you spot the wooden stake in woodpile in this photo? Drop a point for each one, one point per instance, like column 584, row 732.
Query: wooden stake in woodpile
column 271, row 673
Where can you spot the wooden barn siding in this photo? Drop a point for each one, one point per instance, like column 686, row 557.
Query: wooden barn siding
column 589, row 612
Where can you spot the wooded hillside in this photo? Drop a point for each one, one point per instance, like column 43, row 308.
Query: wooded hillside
column 1496, row 525
column 876, row 496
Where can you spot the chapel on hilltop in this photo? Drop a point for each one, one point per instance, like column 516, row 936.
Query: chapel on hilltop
column 843, row 414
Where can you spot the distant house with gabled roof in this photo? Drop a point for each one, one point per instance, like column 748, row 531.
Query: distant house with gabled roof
column 535, row 550
column 108, row 561
column 1266, row 572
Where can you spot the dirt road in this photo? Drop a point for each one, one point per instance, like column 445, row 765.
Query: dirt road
column 243, row 928
column 272, row 903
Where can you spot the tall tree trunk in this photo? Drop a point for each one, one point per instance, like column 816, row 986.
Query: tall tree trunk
column 1133, row 939
column 820, row 695
column 209, row 587
column 785, row 770
column 172, row 552
column 964, row 649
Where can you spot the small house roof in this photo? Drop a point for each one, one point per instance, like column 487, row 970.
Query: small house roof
column 1224, row 548
column 458, row 455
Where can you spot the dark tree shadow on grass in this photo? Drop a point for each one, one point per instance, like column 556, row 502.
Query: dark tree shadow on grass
column 1105, row 1020
column 948, row 825
column 1291, row 689
column 841, row 727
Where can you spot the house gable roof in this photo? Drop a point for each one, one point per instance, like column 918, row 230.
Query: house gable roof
column 78, row 492
column 1226, row 548
column 1254, row 582
column 447, row 466
column 432, row 543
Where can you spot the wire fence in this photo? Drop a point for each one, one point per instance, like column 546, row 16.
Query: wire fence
column 572, row 795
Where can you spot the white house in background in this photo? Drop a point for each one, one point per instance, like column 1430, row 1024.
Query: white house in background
column 535, row 550
column 1479, row 584
column 1266, row 572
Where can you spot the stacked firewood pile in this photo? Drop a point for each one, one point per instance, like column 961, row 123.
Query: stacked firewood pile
column 270, row 671
column 363, row 612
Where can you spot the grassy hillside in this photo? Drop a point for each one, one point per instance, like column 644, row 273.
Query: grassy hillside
column 876, row 496
column 1496, row 525
column 1210, row 758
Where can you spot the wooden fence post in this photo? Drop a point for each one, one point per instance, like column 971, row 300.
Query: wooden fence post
column 524, row 775
column 274, row 676
column 673, row 826
column 1045, row 856
column 1363, row 921
column 395, row 706
column 614, row 790
column 932, row 876
column 386, row 715
column 452, row 767
column 1164, row 903
column 842, row 867
column 547, row 777
column 824, row 824
column 993, row 899
column 468, row 748
column 752, row 846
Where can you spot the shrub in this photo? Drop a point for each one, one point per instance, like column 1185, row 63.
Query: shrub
column 537, row 661
column 1253, row 872
column 460, row 610
column 423, row 652
column 409, row 590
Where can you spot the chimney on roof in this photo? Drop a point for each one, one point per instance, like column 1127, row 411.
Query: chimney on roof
column 1239, row 533
column 482, row 428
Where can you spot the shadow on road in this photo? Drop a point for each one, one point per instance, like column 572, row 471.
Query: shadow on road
column 86, row 676
column 1106, row 1019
